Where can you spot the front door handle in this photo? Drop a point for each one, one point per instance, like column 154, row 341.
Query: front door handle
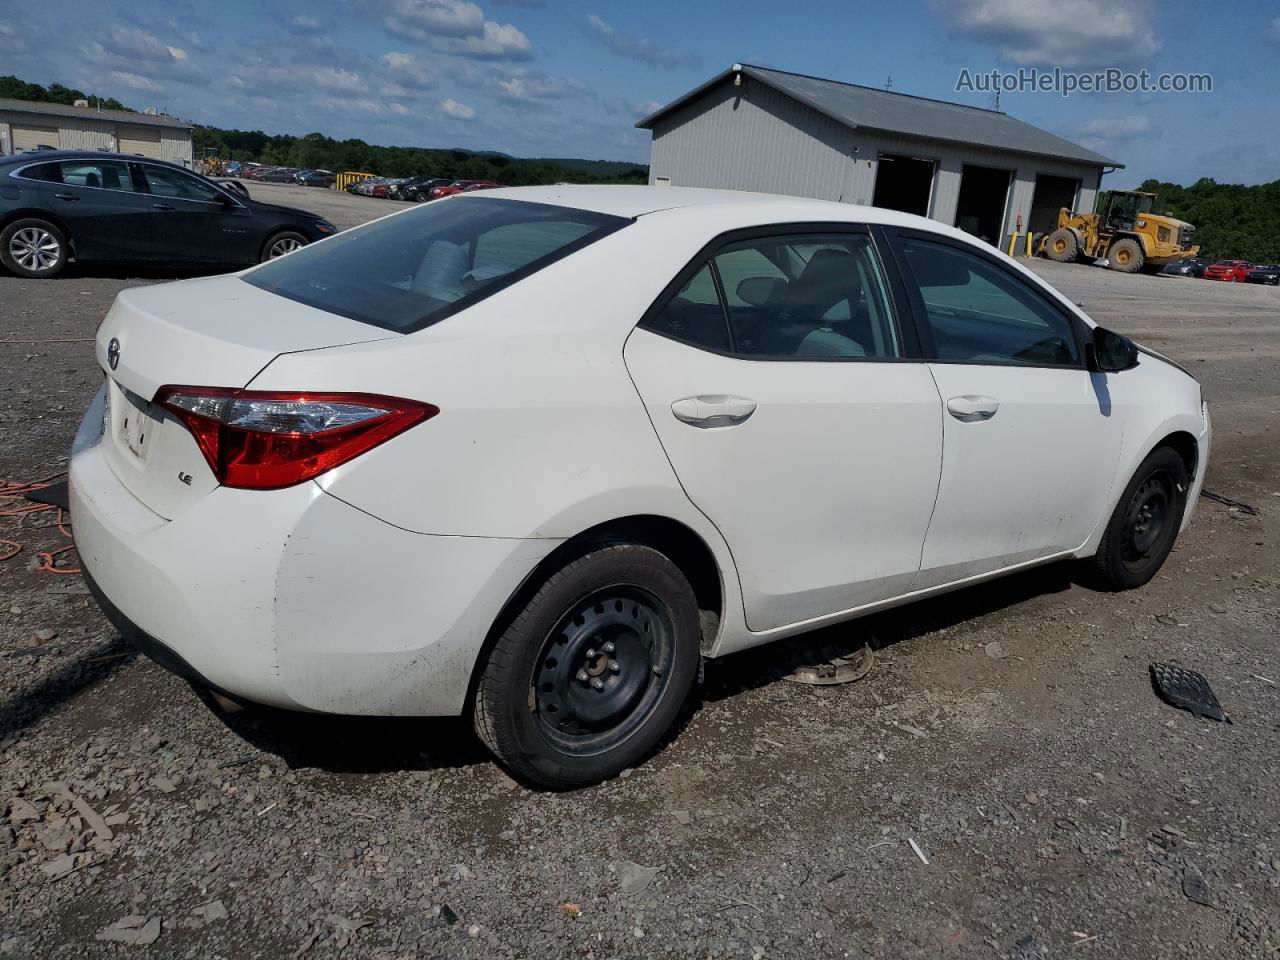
column 70, row 197
column 162, row 206
column 713, row 410
column 970, row 408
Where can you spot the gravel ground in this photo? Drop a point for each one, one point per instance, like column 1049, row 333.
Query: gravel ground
column 1009, row 732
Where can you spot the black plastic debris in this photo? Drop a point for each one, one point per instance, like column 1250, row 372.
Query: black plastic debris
column 1186, row 689
column 55, row 494
column 1194, row 886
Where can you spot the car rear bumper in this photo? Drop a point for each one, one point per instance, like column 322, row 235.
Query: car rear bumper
column 292, row 597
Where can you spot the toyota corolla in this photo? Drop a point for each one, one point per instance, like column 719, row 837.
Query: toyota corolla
column 529, row 455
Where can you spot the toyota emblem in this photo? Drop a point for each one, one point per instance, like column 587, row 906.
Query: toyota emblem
column 113, row 353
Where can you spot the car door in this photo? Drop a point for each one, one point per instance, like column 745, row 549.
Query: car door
column 1031, row 443
column 194, row 220
column 782, row 389
column 97, row 201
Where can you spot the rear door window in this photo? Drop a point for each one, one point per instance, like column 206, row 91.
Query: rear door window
column 407, row 271
column 100, row 174
column 802, row 296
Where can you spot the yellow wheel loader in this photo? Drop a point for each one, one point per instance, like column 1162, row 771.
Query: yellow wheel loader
column 1127, row 235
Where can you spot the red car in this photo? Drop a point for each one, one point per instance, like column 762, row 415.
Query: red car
column 461, row 186
column 1237, row 271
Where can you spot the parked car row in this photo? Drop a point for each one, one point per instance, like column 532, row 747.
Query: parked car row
column 265, row 173
column 1232, row 271
column 416, row 189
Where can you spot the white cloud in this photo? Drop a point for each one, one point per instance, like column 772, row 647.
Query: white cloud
column 531, row 86
column 1127, row 127
column 10, row 40
column 269, row 81
column 134, row 43
column 636, row 48
column 421, row 19
column 1273, row 30
column 135, row 82
column 458, row 27
column 1084, row 33
column 303, row 25
column 459, row 111
column 409, row 71
column 501, row 41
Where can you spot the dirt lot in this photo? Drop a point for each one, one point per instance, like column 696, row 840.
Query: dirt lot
column 1062, row 808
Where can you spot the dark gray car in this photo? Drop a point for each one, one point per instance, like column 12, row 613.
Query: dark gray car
column 56, row 206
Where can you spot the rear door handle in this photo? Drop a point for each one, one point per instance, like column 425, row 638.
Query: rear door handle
column 162, row 206
column 970, row 408
column 713, row 410
column 70, row 197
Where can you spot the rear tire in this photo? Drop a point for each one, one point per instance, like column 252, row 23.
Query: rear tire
column 34, row 248
column 1144, row 526
column 278, row 244
column 592, row 670
column 1062, row 246
column 1126, row 256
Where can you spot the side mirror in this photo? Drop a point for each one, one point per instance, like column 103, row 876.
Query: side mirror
column 1110, row 352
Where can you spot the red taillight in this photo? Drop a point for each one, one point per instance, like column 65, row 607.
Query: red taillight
column 267, row 439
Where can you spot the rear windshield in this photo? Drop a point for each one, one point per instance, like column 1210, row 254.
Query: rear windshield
column 411, row 270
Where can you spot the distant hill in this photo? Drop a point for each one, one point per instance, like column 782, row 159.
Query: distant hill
column 608, row 168
column 317, row 151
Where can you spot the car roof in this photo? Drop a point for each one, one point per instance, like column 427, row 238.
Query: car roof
column 729, row 206
column 44, row 156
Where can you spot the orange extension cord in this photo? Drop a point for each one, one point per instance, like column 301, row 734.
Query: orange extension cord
column 13, row 504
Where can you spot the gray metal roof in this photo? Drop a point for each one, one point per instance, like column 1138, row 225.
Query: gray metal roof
column 901, row 113
column 92, row 113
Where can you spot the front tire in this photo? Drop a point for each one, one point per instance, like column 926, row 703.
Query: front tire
column 1062, row 246
column 279, row 244
column 34, row 248
column 593, row 669
column 1126, row 256
column 1144, row 526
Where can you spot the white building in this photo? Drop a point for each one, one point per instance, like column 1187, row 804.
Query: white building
column 752, row 128
column 28, row 125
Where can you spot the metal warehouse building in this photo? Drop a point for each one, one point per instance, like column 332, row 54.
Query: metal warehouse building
column 26, row 125
column 752, row 128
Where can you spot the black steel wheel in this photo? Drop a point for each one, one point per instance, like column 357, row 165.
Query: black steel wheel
column 603, row 669
column 592, row 669
column 1144, row 526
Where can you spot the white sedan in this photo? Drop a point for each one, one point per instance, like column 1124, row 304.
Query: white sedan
column 529, row 455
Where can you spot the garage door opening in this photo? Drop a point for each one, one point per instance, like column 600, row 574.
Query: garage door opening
column 984, row 195
column 904, row 183
column 139, row 140
column 1052, row 194
column 30, row 136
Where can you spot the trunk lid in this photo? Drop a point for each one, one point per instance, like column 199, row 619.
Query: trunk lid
column 214, row 332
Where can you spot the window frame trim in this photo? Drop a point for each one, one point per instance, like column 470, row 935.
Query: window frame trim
column 895, row 235
column 17, row 175
column 908, row 341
